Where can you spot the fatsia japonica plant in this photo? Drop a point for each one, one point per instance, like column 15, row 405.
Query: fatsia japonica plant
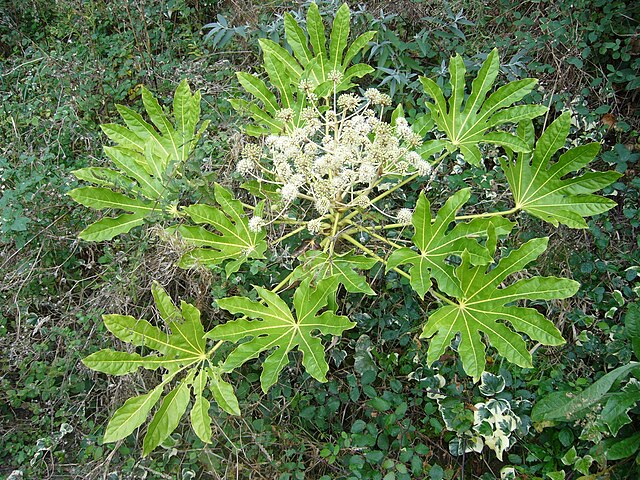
column 324, row 160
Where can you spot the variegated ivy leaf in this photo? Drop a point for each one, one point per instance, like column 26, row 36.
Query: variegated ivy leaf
column 319, row 265
column 475, row 123
column 311, row 62
column 181, row 348
column 276, row 329
column 234, row 242
column 436, row 242
column 483, row 309
column 146, row 159
column 537, row 183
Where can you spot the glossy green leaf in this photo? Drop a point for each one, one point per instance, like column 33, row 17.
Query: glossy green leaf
column 339, row 36
column 359, row 45
column 315, row 27
column 319, row 265
column 166, row 418
column 101, row 198
column 297, row 40
column 483, row 308
column 233, row 239
column 131, row 415
column 436, row 242
column 258, row 89
column 106, row 177
column 147, row 156
column 538, row 186
column 113, row 362
column 199, row 415
column 281, row 57
column 279, row 331
column 181, row 348
column 466, row 124
column 109, row 227
column 223, row 392
column 311, row 61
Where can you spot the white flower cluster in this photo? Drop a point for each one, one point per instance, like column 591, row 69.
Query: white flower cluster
column 337, row 154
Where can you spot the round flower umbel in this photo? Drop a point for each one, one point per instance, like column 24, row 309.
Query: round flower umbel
column 334, row 154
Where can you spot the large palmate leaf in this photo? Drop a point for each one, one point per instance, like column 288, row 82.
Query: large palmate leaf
column 234, row 240
column 475, row 123
column 485, row 309
column 436, row 242
column 279, row 331
column 311, row 62
column 146, row 159
column 320, row 265
column 182, row 348
column 537, row 183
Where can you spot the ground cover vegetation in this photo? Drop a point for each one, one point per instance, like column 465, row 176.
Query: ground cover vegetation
column 396, row 240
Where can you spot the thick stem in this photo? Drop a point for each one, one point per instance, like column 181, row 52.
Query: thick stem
column 487, row 215
column 441, row 297
column 282, row 283
column 385, row 194
column 368, row 231
column 290, row 234
column 372, row 254
column 214, row 348
column 334, row 233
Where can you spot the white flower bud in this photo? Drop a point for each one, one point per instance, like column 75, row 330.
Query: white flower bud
column 244, row 166
column 323, row 205
column 404, row 215
column 314, row 226
column 424, row 168
column 289, row 192
column 256, row 224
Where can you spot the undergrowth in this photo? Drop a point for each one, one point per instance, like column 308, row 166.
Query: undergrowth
column 64, row 67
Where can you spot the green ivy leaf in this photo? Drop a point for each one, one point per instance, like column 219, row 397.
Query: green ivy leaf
column 465, row 128
column 436, row 243
column 537, row 184
column 234, row 240
column 482, row 304
column 319, row 265
column 278, row 329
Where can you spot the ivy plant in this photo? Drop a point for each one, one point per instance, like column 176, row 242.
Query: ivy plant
column 331, row 166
